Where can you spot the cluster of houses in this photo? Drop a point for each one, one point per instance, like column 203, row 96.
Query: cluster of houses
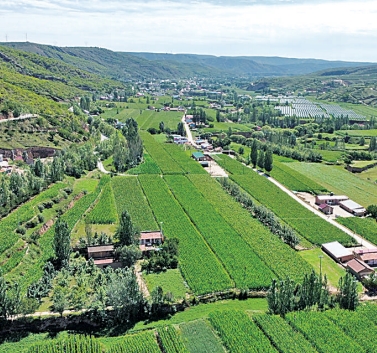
column 359, row 262
column 104, row 255
column 326, row 202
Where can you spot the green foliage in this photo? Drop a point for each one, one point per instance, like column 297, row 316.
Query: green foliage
column 347, row 296
column 104, row 212
column 193, row 251
column 282, row 335
column 143, row 342
column 283, row 261
column 310, row 226
column 324, row 335
column 126, row 233
column 71, row 344
column 238, row 333
column 237, row 256
column 171, row 340
column 294, row 180
column 129, row 196
column 62, row 242
column 356, row 325
column 200, row 338
column 163, row 159
column 366, row 227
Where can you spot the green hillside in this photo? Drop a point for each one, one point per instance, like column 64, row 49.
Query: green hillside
column 33, row 84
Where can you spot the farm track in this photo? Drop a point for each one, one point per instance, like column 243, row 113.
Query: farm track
column 355, row 236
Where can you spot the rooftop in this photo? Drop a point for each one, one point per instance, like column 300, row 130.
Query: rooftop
column 100, row 248
column 352, row 205
column 332, row 197
column 337, row 249
column 151, row 235
column 358, row 266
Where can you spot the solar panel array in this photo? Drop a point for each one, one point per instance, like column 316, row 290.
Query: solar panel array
column 337, row 112
column 300, row 107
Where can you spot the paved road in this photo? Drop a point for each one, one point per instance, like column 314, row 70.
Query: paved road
column 21, row 117
column 357, row 237
column 188, row 131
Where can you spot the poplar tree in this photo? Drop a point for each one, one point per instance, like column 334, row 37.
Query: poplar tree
column 62, row 242
column 268, row 160
column 254, row 153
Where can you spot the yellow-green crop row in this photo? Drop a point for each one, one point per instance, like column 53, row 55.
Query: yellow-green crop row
column 198, row 264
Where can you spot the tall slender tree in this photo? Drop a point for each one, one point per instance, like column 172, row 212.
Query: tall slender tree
column 62, row 242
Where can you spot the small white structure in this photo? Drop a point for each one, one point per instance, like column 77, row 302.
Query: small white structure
column 353, row 207
column 337, row 251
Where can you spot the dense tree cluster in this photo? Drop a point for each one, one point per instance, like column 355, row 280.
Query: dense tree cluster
column 263, row 214
column 166, row 257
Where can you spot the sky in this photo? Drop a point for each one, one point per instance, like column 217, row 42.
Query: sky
column 332, row 30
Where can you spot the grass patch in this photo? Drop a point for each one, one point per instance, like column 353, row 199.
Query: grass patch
column 170, row 281
column 203, row 310
column 330, row 268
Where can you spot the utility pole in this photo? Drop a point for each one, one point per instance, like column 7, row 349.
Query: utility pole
column 320, row 266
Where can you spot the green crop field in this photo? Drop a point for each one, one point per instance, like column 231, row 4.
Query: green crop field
column 129, row 197
column 200, row 267
column 104, row 212
column 171, row 340
column 239, row 259
column 325, row 335
column 161, row 157
column 199, row 337
column 305, row 222
column 339, row 181
column 366, row 227
column 148, row 166
column 239, row 333
column 294, row 180
column 151, row 118
column 283, row 261
column 282, row 335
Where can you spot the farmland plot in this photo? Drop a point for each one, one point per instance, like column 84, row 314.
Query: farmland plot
column 305, row 222
column 355, row 325
column 241, row 262
column 323, row 333
column 199, row 337
column 104, row 212
column 200, row 267
column 293, row 180
column 186, row 162
column 366, row 227
column 239, row 334
column 282, row 260
column 283, row 336
column 162, row 158
column 31, row 267
column 171, row 340
column 339, row 181
column 143, row 342
column 130, row 197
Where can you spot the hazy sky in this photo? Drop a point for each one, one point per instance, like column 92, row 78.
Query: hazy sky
column 336, row 30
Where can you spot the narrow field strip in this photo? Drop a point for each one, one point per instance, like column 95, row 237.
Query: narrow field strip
column 241, row 262
column 200, row 267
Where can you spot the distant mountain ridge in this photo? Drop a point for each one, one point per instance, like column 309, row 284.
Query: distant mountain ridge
column 124, row 66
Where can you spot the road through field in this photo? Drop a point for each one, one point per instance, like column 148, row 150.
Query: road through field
column 359, row 239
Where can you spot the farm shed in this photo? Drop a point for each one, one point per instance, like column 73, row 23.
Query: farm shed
column 353, row 207
column 148, row 240
column 359, row 268
column 330, row 199
column 337, row 251
column 198, row 156
column 326, row 209
column 103, row 256
column 369, row 256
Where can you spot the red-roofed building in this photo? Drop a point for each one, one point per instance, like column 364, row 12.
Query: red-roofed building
column 326, row 209
column 359, row 268
column 150, row 240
